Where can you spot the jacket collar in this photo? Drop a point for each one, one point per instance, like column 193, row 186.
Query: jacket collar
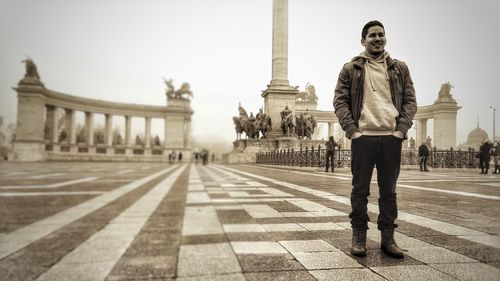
column 359, row 62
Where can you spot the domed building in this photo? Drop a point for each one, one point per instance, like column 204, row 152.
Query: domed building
column 475, row 138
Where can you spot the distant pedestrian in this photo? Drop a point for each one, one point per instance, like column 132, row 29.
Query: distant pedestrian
column 484, row 156
column 496, row 155
column 423, row 153
column 174, row 156
column 330, row 154
column 180, row 156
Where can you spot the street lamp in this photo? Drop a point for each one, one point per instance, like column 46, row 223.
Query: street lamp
column 494, row 110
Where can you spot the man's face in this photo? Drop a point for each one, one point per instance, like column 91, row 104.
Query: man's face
column 374, row 41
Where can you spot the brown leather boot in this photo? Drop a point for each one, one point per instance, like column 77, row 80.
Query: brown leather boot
column 358, row 242
column 388, row 245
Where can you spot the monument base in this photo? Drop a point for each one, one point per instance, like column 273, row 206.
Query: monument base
column 28, row 151
column 244, row 151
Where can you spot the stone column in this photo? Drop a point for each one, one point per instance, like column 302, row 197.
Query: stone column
column 421, row 131
column 89, row 128
column 89, row 132
column 128, row 130
column 187, row 133
column 331, row 126
column 279, row 93
column 108, row 135
column 70, row 122
column 165, row 135
column 280, row 43
column 147, row 137
column 128, row 135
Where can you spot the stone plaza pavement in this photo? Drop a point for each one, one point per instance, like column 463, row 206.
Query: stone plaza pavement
column 131, row 221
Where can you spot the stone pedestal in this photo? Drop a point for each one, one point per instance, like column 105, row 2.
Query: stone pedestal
column 244, row 151
column 445, row 125
column 29, row 144
column 275, row 101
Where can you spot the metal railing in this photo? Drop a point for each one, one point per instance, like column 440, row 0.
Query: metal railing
column 315, row 157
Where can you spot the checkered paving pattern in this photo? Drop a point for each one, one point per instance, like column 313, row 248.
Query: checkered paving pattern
column 87, row 221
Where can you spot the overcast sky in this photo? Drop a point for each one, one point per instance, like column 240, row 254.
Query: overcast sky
column 119, row 50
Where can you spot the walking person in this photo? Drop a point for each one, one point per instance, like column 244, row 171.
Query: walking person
column 375, row 104
column 330, row 154
column 496, row 155
column 484, row 156
column 423, row 153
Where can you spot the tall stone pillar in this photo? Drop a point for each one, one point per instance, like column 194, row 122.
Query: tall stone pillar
column 55, row 125
column 331, row 126
column 280, row 43
column 421, row 131
column 147, row 137
column 89, row 128
column 108, row 137
column 70, row 122
column 128, row 131
column 187, row 133
column 29, row 144
column 279, row 93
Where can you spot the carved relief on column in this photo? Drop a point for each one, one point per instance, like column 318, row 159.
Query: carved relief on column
column 187, row 133
column 55, row 125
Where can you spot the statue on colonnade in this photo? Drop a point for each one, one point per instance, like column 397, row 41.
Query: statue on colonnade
column 183, row 93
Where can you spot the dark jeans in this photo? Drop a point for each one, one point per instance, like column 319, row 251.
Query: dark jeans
column 329, row 160
column 423, row 162
column 384, row 152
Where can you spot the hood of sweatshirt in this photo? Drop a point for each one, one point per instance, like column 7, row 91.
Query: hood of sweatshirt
column 370, row 64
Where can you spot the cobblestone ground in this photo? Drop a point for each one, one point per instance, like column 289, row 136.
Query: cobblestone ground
column 122, row 221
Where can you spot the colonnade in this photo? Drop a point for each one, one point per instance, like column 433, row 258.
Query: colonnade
column 38, row 135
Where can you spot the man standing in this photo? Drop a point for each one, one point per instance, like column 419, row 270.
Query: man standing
column 375, row 104
column 423, row 153
column 330, row 154
column 496, row 155
column 484, row 156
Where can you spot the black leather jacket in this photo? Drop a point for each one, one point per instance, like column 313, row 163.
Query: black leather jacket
column 348, row 99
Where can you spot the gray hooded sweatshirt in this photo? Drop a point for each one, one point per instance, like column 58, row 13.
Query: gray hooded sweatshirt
column 378, row 114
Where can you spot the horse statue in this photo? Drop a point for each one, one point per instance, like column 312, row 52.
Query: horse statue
column 249, row 127
column 309, row 95
column 31, row 70
column 305, row 127
column 287, row 124
column 244, row 125
column 238, row 127
column 170, row 87
column 184, row 92
column 264, row 126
